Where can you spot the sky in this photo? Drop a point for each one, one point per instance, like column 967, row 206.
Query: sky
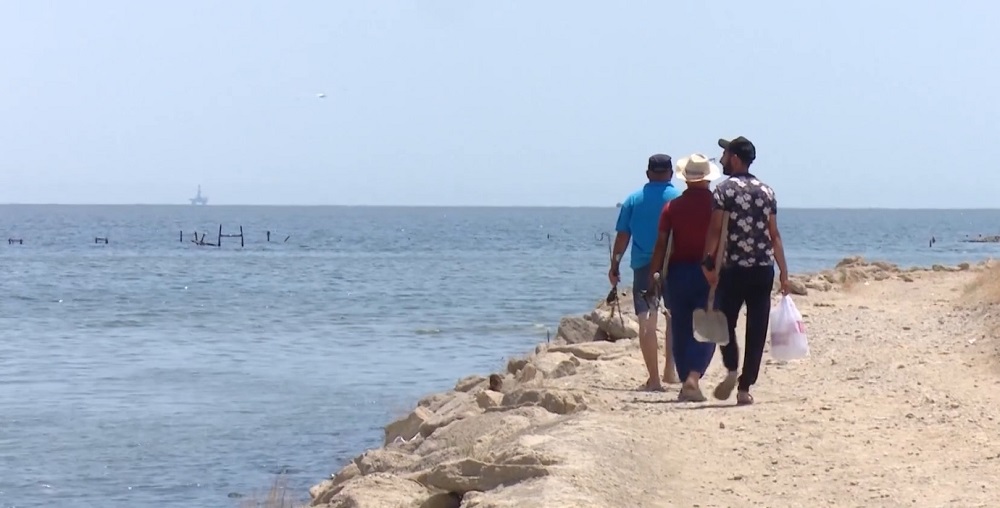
column 851, row 104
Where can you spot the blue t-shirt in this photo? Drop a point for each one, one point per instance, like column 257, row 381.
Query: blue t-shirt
column 640, row 216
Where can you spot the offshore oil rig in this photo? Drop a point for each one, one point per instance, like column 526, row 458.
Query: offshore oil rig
column 199, row 199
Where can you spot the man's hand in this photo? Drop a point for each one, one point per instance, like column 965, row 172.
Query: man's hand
column 655, row 284
column 711, row 276
column 785, row 287
column 614, row 277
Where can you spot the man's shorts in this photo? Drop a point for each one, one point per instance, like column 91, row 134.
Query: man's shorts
column 640, row 283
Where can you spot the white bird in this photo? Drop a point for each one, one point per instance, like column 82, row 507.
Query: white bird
column 321, row 95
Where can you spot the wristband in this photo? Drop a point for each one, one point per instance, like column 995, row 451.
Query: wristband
column 708, row 262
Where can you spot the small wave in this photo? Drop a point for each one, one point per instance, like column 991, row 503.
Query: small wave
column 117, row 323
column 485, row 328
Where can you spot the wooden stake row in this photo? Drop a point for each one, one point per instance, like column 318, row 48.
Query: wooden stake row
column 196, row 238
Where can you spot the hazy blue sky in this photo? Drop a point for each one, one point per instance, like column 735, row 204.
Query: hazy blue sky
column 850, row 103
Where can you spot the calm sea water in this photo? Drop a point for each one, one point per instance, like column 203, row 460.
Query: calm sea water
column 151, row 372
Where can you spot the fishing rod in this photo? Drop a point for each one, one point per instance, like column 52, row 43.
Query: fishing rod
column 612, row 298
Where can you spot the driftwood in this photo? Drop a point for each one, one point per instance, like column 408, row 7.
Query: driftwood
column 983, row 239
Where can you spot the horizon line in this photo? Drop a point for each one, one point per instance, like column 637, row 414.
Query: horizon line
column 596, row 207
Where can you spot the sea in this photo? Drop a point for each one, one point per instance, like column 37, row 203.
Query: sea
column 150, row 371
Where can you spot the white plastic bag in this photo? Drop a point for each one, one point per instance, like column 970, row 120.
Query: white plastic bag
column 788, row 334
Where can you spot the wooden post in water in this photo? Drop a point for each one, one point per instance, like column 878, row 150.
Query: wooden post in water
column 268, row 236
column 240, row 236
column 200, row 240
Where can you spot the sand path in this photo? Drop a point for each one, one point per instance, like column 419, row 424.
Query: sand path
column 898, row 405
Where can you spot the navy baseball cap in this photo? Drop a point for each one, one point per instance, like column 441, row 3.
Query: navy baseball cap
column 660, row 163
column 740, row 147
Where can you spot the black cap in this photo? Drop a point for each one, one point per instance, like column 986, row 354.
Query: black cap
column 740, row 147
column 660, row 163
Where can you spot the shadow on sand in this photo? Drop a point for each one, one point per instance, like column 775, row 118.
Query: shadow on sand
column 701, row 405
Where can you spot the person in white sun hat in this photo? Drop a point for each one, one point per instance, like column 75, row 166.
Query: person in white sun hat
column 687, row 218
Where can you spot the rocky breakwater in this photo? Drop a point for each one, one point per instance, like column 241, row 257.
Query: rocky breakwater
column 555, row 428
column 472, row 446
column 856, row 270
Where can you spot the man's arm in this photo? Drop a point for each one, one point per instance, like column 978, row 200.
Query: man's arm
column 715, row 224
column 624, row 234
column 779, row 246
column 618, row 251
column 714, row 232
column 660, row 250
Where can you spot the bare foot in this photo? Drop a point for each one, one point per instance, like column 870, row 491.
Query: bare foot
column 691, row 392
column 652, row 385
column 725, row 388
column 669, row 376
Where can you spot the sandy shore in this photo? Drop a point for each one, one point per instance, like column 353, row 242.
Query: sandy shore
column 898, row 405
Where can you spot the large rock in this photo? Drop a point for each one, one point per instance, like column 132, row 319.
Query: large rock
column 434, row 401
column 578, row 329
column 468, row 384
column 461, row 405
column 456, row 403
column 514, row 365
column 507, row 467
column 322, row 493
column 942, row 268
column 850, row 261
column 432, row 425
column 617, row 326
column 853, row 270
column 556, row 364
column 553, row 400
column 818, row 285
column 591, row 351
column 487, row 399
column 476, row 436
column 381, row 460
column 548, row 365
column 796, row 286
column 443, row 500
column 381, row 490
column 316, row 491
column 529, row 374
column 406, row 428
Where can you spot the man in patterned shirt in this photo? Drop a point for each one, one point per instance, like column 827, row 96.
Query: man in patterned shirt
column 747, row 268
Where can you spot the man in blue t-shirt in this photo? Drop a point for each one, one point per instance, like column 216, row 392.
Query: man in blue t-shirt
column 638, row 221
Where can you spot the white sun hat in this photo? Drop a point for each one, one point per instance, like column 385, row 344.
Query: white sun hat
column 697, row 168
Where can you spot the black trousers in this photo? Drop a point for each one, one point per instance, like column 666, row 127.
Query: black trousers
column 751, row 286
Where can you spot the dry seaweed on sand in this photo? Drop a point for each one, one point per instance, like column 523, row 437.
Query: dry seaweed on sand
column 278, row 496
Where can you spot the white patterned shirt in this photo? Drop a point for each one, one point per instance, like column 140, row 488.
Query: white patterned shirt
column 750, row 204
